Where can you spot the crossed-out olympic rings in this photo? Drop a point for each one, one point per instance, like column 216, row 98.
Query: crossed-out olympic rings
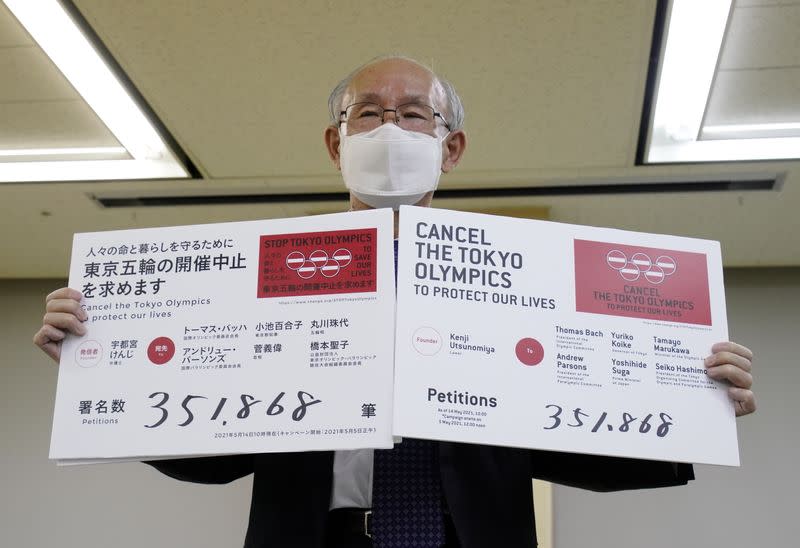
column 318, row 261
column 640, row 264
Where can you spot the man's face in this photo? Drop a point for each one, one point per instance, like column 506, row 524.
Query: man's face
column 393, row 82
column 390, row 83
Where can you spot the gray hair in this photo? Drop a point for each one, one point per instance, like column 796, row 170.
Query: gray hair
column 454, row 108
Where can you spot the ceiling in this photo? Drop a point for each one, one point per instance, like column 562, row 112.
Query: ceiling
column 553, row 92
column 38, row 106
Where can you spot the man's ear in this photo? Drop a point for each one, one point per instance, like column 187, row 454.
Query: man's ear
column 332, row 141
column 452, row 150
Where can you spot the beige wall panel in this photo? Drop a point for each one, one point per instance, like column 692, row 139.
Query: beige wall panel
column 244, row 86
column 30, row 76
column 543, row 510
column 52, row 124
column 11, row 32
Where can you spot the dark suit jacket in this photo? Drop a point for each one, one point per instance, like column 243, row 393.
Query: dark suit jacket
column 487, row 489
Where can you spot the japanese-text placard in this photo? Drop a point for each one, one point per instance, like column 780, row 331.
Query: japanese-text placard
column 255, row 336
column 546, row 335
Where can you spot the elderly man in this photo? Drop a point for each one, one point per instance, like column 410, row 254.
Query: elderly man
column 395, row 127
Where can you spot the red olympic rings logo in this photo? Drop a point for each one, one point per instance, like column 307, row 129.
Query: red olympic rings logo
column 640, row 264
column 318, row 261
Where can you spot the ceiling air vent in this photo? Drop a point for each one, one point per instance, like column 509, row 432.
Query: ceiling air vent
column 769, row 182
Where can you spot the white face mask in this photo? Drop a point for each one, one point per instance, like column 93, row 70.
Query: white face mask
column 390, row 166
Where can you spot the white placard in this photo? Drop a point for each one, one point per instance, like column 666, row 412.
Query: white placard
column 545, row 335
column 240, row 337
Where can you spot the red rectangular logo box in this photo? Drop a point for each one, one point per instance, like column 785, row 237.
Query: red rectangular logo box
column 318, row 263
column 641, row 282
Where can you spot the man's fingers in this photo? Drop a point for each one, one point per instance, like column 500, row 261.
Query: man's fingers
column 65, row 293
column 733, row 363
column 48, row 333
column 731, row 373
column 734, row 348
column 48, row 338
column 53, row 350
column 63, row 314
column 67, row 305
column 744, row 401
column 723, row 357
column 65, row 321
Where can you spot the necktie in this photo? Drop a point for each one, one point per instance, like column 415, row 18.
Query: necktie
column 406, row 496
column 406, row 493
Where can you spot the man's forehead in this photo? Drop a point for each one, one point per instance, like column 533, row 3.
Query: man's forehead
column 378, row 97
column 394, row 80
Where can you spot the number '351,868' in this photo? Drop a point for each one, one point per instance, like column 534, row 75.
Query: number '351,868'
column 248, row 405
column 629, row 423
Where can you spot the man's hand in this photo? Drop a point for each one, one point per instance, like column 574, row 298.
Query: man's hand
column 732, row 362
column 63, row 314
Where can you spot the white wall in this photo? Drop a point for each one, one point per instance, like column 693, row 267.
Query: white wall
column 752, row 506
column 130, row 505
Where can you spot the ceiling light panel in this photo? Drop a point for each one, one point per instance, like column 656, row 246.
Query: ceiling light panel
column 145, row 155
column 682, row 129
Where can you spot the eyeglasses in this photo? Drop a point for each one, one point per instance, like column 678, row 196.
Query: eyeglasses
column 411, row 116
